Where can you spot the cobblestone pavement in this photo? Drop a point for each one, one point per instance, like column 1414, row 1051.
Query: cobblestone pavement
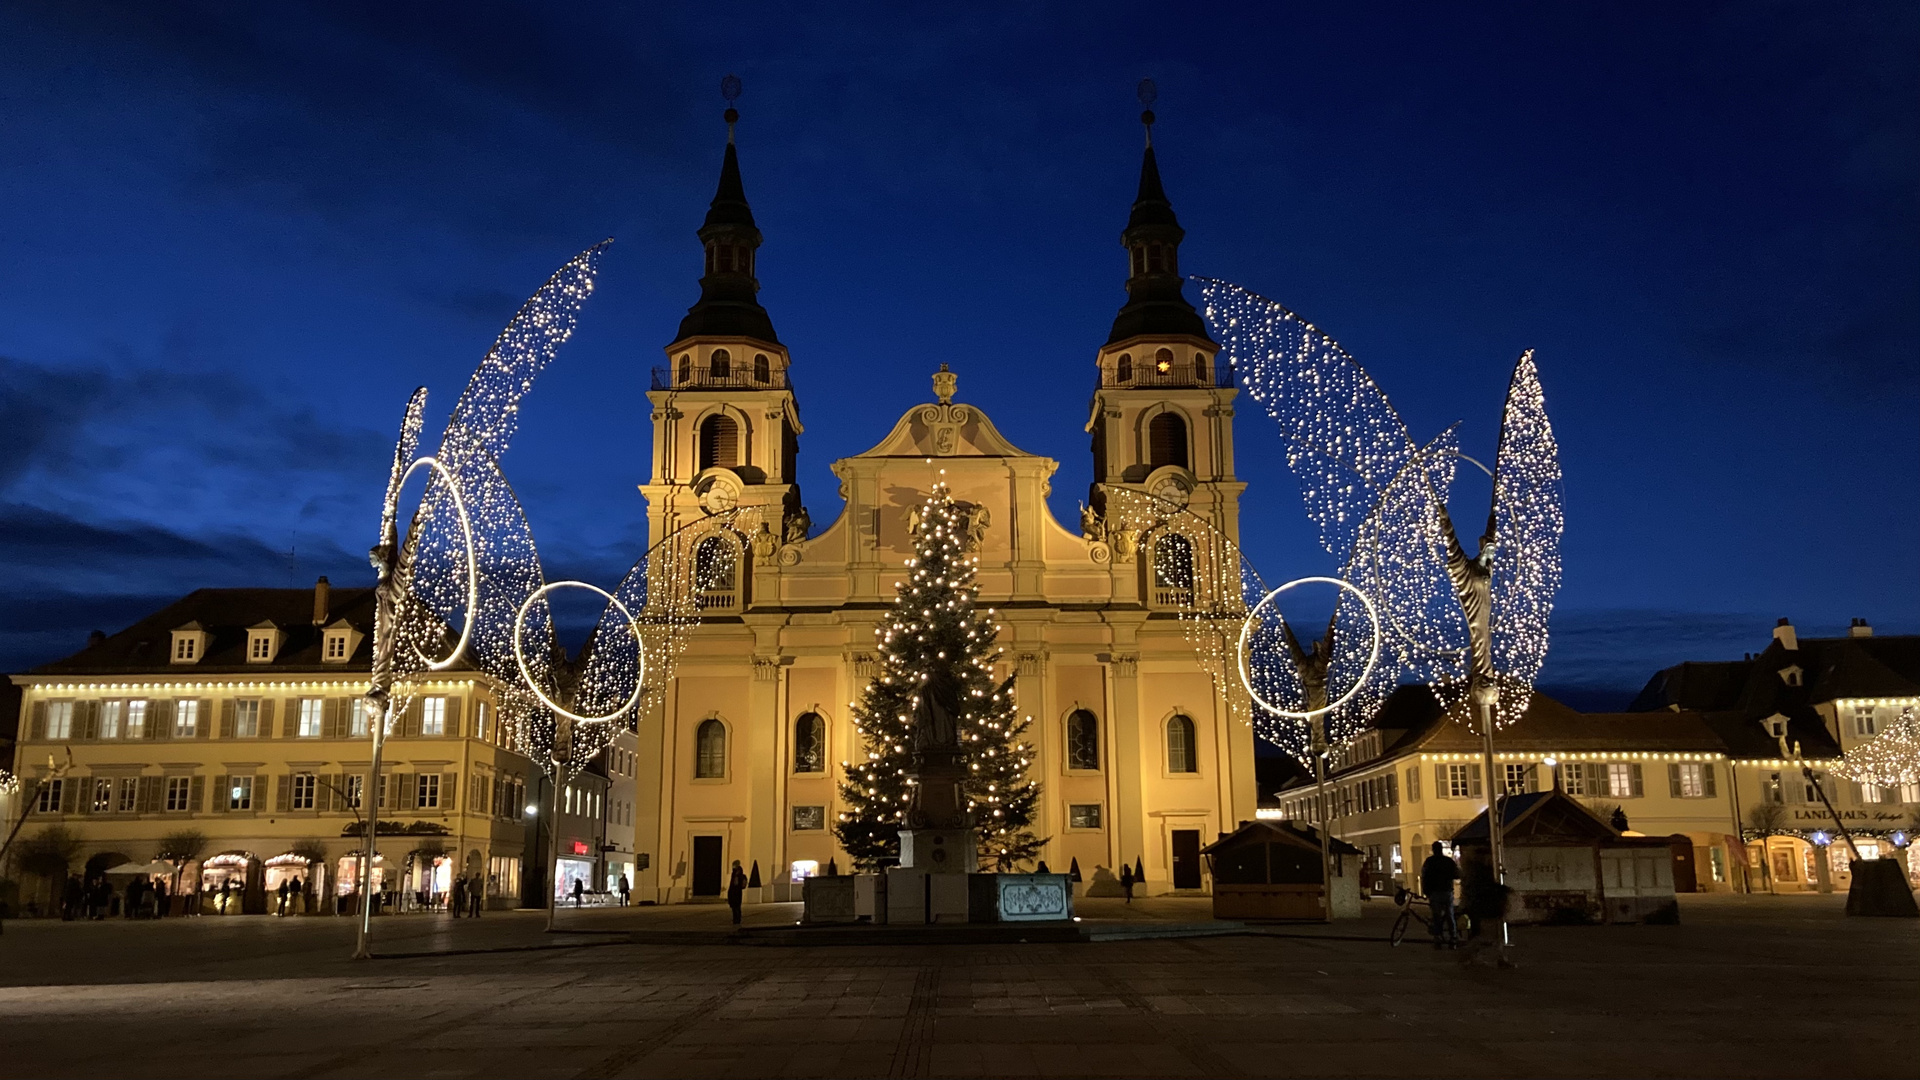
column 1746, row 986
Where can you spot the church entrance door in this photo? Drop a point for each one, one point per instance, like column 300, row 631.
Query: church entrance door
column 1186, row 858
column 706, row 865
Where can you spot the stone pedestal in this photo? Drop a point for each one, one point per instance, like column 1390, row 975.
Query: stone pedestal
column 829, row 900
column 940, row 851
column 915, row 897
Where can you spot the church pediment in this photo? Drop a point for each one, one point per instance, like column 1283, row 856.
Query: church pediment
column 941, row 430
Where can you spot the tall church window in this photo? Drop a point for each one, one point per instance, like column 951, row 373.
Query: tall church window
column 710, row 750
column 719, row 442
column 1182, row 756
column 809, row 743
column 1167, row 440
column 720, row 364
column 1123, row 371
column 1173, row 571
column 1083, row 740
column 762, row 370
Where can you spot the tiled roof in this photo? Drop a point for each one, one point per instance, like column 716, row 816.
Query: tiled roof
column 225, row 615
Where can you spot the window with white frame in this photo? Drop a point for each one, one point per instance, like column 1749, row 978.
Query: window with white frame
column 102, row 802
column 1623, row 780
column 357, row 725
column 48, row 800
column 240, row 793
column 480, row 720
column 1863, row 720
column 110, row 713
column 246, row 719
column 1083, row 815
column 433, row 716
column 355, row 785
column 1691, row 779
column 136, row 719
column 1573, row 777
column 186, row 647
column 1519, row 778
column 59, row 719
column 1413, row 785
column 336, row 646
column 1871, row 794
column 312, row 711
column 1910, row 793
column 259, row 647
column 1772, row 790
column 1459, row 781
column 427, row 792
column 129, row 797
column 179, row 793
column 186, row 718
column 304, row 786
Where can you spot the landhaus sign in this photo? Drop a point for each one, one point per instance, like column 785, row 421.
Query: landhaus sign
column 1885, row 817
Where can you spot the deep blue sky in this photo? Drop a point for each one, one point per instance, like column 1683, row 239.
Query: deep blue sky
column 233, row 237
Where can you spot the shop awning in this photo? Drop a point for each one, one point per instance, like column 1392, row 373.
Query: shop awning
column 157, row 866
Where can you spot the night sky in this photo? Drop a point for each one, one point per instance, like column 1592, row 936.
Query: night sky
column 234, row 237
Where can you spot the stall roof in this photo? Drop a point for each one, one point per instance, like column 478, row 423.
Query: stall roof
column 1281, row 832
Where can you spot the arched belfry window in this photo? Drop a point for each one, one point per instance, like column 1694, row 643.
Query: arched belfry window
column 720, row 364
column 1200, row 369
column 686, row 370
column 809, row 743
column 1083, row 740
column 1173, row 571
column 1123, row 370
column 710, row 750
column 762, row 370
column 719, row 442
column 1167, row 440
column 1163, row 361
column 1182, row 755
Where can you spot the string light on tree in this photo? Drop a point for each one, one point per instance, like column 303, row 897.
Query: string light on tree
column 1889, row 759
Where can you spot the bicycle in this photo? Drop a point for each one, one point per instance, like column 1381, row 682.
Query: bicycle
column 1405, row 901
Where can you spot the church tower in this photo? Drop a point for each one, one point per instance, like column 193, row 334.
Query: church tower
column 726, row 426
column 1162, row 416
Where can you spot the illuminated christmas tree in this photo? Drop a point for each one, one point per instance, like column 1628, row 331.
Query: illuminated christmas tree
column 936, row 636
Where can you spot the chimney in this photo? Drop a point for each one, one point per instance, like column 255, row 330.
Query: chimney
column 1860, row 628
column 321, row 594
column 1783, row 633
column 96, row 638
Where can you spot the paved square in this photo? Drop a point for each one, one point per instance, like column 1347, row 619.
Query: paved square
column 1746, row 986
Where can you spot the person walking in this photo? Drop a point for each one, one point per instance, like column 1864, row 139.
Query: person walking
column 476, row 895
column 579, row 893
column 280, row 907
column 625, row 890
column 736, row 890
column 1437, row 875
column 1126, row 882
column 459, row 905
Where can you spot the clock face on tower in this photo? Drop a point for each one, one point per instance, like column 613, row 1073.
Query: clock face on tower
column 1172, row 490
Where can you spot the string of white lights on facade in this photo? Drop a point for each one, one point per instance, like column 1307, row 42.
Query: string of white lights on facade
column 1889, row 759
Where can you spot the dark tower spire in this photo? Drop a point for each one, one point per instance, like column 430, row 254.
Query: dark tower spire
column 727, row 307
column 1155, row 304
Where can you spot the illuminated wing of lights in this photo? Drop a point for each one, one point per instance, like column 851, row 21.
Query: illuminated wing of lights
column 1528, row 520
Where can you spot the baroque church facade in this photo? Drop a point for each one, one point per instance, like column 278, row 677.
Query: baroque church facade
column 1138, row 758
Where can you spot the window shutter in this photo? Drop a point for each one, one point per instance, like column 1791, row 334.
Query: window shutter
column 1440, row 787
column 410, row 723
column 1639, row 786
column 147, row 798
column 1473, row 782
column 1673, row 780
column 290, row 723
column 222, row 788
column 68, row 791
column 37, row 727
column 160, row 719
column 227, row 708
column 1706, row 779
column 84, row 785
column 204, row 729
column 86, row 720
column 265, row 728
column 406, row 799
column 453, row 718
column 334, row 726
column 196, row 794
column 449, row 787
column 282, row 792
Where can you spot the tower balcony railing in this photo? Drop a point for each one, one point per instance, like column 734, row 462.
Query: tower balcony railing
column 708, row 377
column 1180, row 375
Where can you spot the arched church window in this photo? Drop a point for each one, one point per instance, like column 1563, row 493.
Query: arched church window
column 720, row 365
column 1200, row 369
column 686, row 370
column 719, row 442
column 710, row 750
column 1163, row 361
column 1123, row 371
column 809, row 743
column 1083, row 740
column 1172, row 571
column 762, row 370
column 1167, row 440
column 1181, row 754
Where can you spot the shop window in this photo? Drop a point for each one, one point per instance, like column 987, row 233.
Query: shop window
column 1083, row 740
column 1083, row 815
column 1182, row 755
column 179, row 793
column 809, row 743
column 710, row 742
column 809, row 818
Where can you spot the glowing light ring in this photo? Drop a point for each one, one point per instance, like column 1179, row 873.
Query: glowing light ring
column 1373, row 651
column 473, row 563
column 519, row 657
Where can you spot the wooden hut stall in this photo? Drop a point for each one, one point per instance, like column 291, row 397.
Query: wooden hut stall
column 1566, row 865
column 1271, row 870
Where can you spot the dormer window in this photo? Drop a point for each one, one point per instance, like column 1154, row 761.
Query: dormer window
column 263, row 643
column 189, row 644
column 338, row 642
column 1791, row 674
column 1776, row 725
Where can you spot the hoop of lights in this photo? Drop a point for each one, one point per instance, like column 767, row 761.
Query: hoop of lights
column 473, row 562
column 520, row 658
column 1373, row 650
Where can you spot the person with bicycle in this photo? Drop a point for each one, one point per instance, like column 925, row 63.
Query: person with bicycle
column 1437, row 875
